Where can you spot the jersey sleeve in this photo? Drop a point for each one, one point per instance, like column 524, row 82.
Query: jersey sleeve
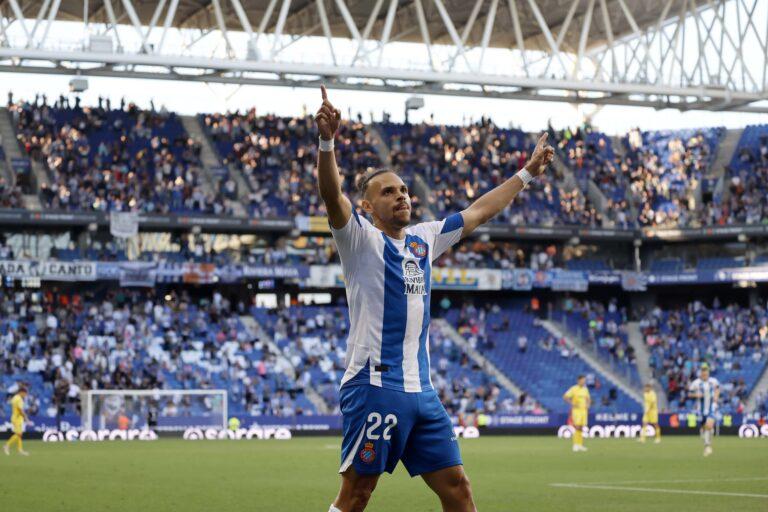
column 569, row 393
column 444, row 233
column 351, row 238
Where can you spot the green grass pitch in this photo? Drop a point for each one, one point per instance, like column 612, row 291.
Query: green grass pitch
column 517, row 473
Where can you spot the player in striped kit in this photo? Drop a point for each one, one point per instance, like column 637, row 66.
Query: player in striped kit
column 706, row 391
column 391, row 412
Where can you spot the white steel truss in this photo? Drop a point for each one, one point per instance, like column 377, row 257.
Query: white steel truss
column 686, row 54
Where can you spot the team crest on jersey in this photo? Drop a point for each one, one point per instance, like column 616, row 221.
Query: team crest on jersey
column 413, row 278
column 368, row 454
column 418, row 249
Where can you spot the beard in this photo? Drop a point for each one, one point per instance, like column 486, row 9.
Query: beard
column 402, row 221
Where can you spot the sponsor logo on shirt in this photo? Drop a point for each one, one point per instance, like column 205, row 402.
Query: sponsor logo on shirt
column 413, row 277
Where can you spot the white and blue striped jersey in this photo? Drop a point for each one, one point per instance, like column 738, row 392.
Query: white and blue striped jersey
column 388, row 292
column 706, row 404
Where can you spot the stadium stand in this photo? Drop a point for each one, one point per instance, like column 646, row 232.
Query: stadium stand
column 603, row 326
column 10, row 196
column 542, row 365
column 134, row 159
column 731, row 339
column 463, row 162
column 591, row 156
column 100, row 158
column 745, row 202
column 277, row 156
column 313, row 338
column 59, row 344
column 666, row 169
column 104, row 159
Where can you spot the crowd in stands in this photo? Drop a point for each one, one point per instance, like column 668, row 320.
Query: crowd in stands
column 603, row 327
column 731, row 339
column 313, row 338
column 100, row 158
column 103, row 159
column 10, row 195
column 666, row 171
column 460, row 163
column 591, row 157
column 278, row 156
column 746, row 199
column 762, row 405
column 59, row 344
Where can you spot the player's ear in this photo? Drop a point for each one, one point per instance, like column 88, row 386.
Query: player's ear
column 366, row 206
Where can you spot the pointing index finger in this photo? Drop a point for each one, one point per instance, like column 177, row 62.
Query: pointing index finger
column 542, row 139
column 324, row 92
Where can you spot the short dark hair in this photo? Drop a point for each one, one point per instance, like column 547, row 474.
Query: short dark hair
column 582, row 376
column 365, row 179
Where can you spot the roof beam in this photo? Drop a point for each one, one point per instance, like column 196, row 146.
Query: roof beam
column 424, row 31
column 387, row 29
column 314, row 82
column 547, row 33
column 326, row 27
column 452, row 32
column 490, row 19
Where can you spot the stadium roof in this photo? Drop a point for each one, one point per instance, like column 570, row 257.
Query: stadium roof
column 303, row 18
column 685, row 54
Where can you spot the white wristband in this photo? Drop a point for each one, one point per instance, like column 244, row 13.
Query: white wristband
column 326, row 145
column 525, row 176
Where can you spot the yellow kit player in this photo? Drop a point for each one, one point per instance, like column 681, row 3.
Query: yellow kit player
column 650, row 413
column 18, row 419
column 578, row 397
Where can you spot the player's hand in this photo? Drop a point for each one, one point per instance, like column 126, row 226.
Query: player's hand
column 541, row 157
column 327, row 118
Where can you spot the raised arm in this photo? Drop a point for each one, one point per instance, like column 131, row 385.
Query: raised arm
column 494, row 201
column 328, row 178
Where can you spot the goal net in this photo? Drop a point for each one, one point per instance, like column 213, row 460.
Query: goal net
column 156, row 409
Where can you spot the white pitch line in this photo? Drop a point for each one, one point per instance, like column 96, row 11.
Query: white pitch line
column 682, row 481
column 667, row 491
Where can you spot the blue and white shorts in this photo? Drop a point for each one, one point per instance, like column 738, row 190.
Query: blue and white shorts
column 384, row 426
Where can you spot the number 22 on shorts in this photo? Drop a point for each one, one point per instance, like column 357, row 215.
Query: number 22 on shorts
column 374, row 419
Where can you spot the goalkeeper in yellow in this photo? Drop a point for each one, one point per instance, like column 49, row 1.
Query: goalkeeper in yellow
column 18, row 419
column 578, row 397
column 650, row 413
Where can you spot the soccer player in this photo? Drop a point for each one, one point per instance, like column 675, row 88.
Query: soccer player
column 578, row 397
column 706, row 391
column 390, row 410
column 650, row 412
column 18, row 419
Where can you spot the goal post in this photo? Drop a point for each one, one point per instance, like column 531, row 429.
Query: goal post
column 156, row 409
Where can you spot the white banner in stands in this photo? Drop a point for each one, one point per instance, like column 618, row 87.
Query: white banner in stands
column 123, row 224
column 49, row 270
column 325, row 276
